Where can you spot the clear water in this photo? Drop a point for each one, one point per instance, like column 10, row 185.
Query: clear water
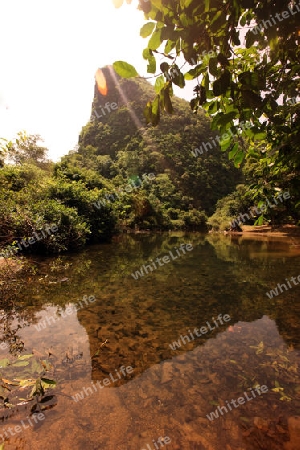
column 168, row 393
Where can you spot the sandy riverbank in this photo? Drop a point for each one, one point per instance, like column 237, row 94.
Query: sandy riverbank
column 271, row 230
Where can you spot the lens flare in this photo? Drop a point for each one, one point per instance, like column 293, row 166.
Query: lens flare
column 101, row 82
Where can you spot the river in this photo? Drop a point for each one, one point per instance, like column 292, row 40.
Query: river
column 196, row 354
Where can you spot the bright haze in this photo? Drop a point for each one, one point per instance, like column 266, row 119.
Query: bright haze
column 50, row 51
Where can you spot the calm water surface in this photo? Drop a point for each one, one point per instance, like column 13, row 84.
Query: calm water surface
column 101, row 403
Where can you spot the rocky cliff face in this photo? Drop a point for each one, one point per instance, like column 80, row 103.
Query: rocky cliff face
column 112, row 92
column 118, row 144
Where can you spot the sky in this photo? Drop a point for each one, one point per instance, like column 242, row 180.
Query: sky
column 50, row 51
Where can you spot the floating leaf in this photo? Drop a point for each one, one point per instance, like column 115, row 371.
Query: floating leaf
column 21, row 364
column 259, row 348
column 36, row 367
column 244, row 419
column 285, row 398
column 13, row 383
column 4, row 363
column 25, row 383
column 23, row 357
column 48, row 382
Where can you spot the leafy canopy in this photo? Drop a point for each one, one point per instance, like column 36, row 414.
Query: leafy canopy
column 244, row 58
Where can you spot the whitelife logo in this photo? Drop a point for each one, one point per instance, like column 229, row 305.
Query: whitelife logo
column 87, row 391
column 274, row 292
column 217, row 141
column 30, row 241
column 265, row 24
column 241, row 400
column 165, row 259
column 202, row 330
column 162, row 441
column 262, row 208
column 108, row 106
column 19, row 429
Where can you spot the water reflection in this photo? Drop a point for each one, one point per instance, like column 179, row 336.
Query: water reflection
column 133, row 322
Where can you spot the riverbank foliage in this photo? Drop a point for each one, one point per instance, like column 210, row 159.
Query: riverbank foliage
column 126, row 175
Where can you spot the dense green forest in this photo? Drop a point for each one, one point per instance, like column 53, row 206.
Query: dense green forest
column 125, row 175
column 164, row 248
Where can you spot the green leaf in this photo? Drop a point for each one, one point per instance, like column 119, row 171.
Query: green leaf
column 185, row 3
column 252, row 80
column 194, row 72
column 213, row 402
column 222, row 60
column 4, row 363
column 178, row 77
column 213, row 107
column 155, row 40
column 159, row 84
column 259, row 222
column 124, row 69
column 148, row 54
column 226, row 119
column 206, row 82
column 238, row 159
column 25, row 383
column 250, row 99
column 168, row 102
column 260, row 136
column 250, row 38
column 20, row 364
column 156, row 111
column 221, row 85
column 213, row 66
column 23, row 357
column 164, row 67
column 48, row 381
column 194, row 103
column 217, row 22
column 36, row 366
column 233, row 151
column 169, row 46
column 148, row 112
column 225, row 143
column 151, row 68
column 147, row 29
